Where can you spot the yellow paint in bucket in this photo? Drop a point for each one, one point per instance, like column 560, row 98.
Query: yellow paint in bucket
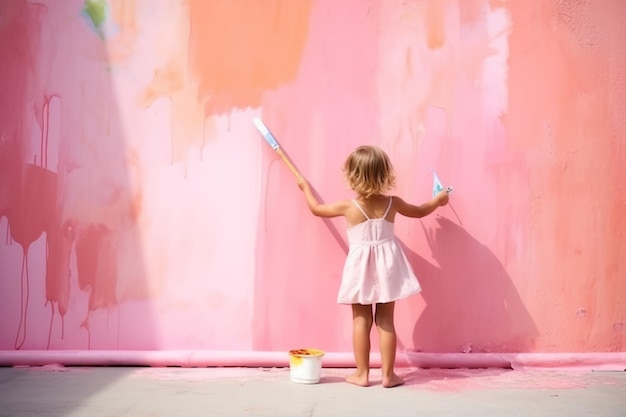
column 305, row 365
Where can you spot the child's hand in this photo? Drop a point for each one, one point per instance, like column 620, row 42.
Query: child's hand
column 442, row 198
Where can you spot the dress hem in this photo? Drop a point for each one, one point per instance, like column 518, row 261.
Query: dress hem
column 379, row 302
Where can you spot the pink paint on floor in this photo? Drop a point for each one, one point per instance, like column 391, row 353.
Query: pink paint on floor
column 438, row 380
column 455, row 380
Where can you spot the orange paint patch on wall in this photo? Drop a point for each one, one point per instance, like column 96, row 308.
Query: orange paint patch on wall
column 240, row 48
column 497, row 4
column 188, row 116
column 435, row 14
column 471, row 11
column 124, row 13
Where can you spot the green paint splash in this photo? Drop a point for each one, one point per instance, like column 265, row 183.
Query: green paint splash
column 96, row 10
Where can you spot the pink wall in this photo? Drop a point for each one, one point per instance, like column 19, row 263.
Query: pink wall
column 139, row 208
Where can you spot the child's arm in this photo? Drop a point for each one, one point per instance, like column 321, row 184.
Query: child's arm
column 410, row 210
column 321, row 210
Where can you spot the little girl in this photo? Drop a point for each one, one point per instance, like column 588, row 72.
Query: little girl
column 376, row 271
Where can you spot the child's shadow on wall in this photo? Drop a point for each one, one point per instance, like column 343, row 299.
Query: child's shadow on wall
column 471, row 301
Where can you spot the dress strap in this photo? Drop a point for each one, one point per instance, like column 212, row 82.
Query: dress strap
column 388, row 208
column 360, row 209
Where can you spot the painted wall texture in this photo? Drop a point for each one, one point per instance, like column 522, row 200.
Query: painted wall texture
column 139, row 208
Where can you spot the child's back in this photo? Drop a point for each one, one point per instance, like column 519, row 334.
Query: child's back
column 376, row 270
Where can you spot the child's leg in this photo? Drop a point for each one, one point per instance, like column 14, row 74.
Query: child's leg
column 362, row 326
column 387, row 334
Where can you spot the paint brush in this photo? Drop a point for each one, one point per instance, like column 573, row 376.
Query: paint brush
column 437, row 186
column 271, row 140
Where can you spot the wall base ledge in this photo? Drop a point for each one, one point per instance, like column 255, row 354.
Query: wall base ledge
column 605, row 361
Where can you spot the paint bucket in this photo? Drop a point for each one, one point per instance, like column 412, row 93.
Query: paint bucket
column 305, row 365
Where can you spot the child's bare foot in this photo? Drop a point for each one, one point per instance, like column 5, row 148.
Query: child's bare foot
column 358, row 378
column 392, row 381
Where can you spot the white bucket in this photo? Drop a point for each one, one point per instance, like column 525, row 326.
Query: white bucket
column 305, row 365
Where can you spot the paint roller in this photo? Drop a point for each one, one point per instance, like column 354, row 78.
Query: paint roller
column 271, row 140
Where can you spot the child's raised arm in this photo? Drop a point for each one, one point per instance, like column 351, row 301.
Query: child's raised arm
column 321, row 210
column 410, row 210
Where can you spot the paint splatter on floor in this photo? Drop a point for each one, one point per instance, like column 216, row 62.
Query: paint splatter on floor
column 455, row 380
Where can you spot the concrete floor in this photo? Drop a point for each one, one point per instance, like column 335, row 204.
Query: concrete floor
column 56, row 391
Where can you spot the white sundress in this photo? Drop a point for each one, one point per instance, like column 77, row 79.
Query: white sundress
column 376, row 269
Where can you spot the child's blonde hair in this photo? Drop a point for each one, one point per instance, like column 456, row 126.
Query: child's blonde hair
column 369, row 172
